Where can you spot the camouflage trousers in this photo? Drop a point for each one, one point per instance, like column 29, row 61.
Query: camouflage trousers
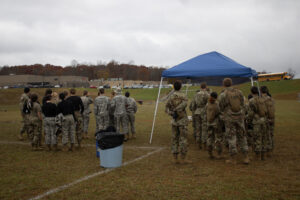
column 79, row 124
column 102, row 122
column 194, row 126
column 34, row 133
column 235, row 135
column 86, row 121
column 68, row 129
column 40, row 130
column 131, row 122
column 121, row 123
column 261, row 135
column 111, row 120
column 270, row 142
column 201, row 128
column 25, row 125
column 49, row 130
column 214, row 137
column 179, row 140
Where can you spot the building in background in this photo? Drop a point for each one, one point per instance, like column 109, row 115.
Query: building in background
column 43, row 81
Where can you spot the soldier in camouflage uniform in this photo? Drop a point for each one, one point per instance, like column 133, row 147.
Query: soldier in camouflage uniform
column 214, row 132
column 270, row 103
column 118, row 104
column 131, row 109
column 199, row 102
column 231, row 102
column 25, row 116
column 175, row 107
column 86, row 100
column 192, row 108
column 67, row 117
column 248, row 123
column 78, row 111
column 111, row 111
column 35, row 117
column 101, row 111
column 50, row 112
column 258, row 116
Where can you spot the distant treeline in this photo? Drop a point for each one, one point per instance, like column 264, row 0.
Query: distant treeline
column 110, row 70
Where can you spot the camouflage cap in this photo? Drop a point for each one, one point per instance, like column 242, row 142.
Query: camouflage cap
column 118, row 90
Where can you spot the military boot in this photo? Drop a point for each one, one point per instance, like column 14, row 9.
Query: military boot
column 257, row 155
column 231, row 159
column 204, row 146
column 56, row 148
column 79, row 145
column 71, row 147
column 210, row 152
column 65, row 147
column 175, row 158
column 262, row 155
column 48, row 147
column 246, row 160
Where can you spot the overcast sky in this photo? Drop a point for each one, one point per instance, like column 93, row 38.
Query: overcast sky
column 262, row 34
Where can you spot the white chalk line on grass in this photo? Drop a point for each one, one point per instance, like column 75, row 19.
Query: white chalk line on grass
column 63, row 187
column 84, row 145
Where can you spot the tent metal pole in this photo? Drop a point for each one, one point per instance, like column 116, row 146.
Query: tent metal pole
column 156, row 106
column 252, row 81
column 257, row 83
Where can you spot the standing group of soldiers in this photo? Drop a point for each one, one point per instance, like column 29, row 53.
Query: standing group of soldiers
column 226, row 121
column 69, row 115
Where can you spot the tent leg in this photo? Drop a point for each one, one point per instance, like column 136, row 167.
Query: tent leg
column 252, row 81
column 156, row 106
column 257, row 83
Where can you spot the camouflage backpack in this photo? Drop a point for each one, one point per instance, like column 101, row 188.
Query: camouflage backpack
column 26, row 107
column 261, row 106
column 211, row 112
column 270, row 108
column 233, row 96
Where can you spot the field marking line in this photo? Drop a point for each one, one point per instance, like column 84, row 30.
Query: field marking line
column 63, row 187
column 84, row 145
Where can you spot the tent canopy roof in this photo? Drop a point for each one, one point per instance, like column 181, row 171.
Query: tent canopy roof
column 207, row 65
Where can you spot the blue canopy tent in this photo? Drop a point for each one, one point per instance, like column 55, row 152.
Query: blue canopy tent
column 211, row 64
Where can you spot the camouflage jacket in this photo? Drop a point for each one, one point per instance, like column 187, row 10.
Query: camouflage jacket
column 199, row 102
column 118, row 105
column 35, row 109
column 177, row 103
column 86, row 104
column 24, row 99
column 256, row 105
column 212, row 113
column 131, row 105
column 101, row 106
column 225, row 107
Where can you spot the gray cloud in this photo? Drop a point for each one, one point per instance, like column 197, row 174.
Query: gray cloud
column 260, row 34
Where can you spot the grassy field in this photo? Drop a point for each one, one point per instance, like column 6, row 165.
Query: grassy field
column 25, row 174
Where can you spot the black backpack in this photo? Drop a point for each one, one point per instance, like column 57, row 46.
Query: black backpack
column 26, row 108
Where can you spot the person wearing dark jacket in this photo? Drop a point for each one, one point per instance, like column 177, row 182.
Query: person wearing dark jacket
column 49, row 110
column 78, row 111
column 66, row 114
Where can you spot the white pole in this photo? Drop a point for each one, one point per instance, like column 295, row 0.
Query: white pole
column 156, row 109
column 252, row 81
